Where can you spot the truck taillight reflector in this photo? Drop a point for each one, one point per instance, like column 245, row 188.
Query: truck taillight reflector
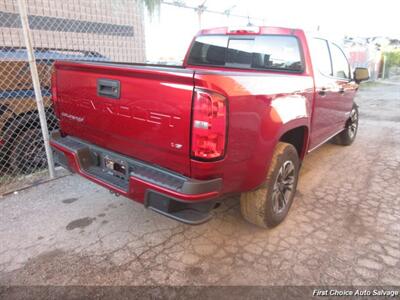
column 209, row 125
column 54, row 90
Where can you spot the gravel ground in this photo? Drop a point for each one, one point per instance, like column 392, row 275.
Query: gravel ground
column 343, row 229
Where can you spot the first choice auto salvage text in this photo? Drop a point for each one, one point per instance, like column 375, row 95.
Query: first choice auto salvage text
column 356, row 292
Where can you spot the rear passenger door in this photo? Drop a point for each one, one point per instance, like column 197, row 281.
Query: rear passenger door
column 325, row 105
column 333, row 90
column 345, row 85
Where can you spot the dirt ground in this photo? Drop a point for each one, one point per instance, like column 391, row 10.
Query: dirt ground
column 343, row 229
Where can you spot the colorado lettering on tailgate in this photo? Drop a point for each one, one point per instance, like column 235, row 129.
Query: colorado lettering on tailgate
column 134, row 112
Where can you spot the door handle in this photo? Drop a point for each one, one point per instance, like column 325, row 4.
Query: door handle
column 341, row 90
column 108, row 88
column 322, row 91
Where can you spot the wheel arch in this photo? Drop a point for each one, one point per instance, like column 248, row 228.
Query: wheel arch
column 298, row 137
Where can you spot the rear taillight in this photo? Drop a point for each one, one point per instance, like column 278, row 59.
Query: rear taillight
column 54, row 90
column 209, row 125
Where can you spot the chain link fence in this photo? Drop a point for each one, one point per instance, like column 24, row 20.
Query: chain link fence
column 99, row 30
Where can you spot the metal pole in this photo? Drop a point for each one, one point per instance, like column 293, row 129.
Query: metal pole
column 384, row 66
column 199, row 13
column 200, row 10
column 36, row 84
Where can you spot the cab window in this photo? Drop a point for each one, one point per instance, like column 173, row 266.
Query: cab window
column 339, row 62
column 321, row 56
column 265, row 52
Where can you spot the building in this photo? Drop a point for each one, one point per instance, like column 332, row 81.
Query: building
column 113, row 28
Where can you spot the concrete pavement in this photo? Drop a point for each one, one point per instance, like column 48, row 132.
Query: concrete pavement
column 343, row 228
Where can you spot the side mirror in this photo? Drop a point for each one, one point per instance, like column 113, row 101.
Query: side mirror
column 361, row 74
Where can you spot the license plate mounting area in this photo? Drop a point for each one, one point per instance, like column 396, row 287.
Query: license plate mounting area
column 115, row 167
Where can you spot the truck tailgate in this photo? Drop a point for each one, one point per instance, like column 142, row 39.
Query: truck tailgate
column 140, row 111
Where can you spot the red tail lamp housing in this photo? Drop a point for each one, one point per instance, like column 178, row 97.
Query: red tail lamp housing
column 209, row 125
column 54, row 90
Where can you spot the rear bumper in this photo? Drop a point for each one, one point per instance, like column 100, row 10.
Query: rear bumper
column 176, row 196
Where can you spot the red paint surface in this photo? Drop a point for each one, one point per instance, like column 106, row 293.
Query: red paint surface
column 154, row 114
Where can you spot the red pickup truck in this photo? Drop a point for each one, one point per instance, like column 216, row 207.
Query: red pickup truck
column 238, row 117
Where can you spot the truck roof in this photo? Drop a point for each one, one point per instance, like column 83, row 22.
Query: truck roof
column 248, row 30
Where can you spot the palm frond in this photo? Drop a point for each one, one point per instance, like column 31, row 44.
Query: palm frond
column 152, row 6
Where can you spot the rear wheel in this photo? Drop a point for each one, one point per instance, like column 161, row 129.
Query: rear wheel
column 28, row 153
column 348, row 135
column 269, row 204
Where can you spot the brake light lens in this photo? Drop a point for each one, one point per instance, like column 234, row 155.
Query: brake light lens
column 54, row 90
column 209, row 127
column 244, row 30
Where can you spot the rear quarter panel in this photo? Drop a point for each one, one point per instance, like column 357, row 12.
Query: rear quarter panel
column 262, row 107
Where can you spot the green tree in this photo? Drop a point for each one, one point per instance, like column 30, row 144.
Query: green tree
column 392, row 61
column 152, row 6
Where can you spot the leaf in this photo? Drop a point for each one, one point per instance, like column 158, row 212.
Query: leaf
column 152, row 6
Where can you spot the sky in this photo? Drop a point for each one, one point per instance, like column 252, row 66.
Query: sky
column 169, row 34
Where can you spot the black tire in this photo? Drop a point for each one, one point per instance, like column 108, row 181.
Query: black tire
column 28, row 152
column 261, row 206
column 348, row 135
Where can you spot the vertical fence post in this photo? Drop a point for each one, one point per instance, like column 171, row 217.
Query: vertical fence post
column 36, row 84
column 384, row 66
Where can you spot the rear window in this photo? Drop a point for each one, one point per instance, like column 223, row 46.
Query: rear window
column 269, row 52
